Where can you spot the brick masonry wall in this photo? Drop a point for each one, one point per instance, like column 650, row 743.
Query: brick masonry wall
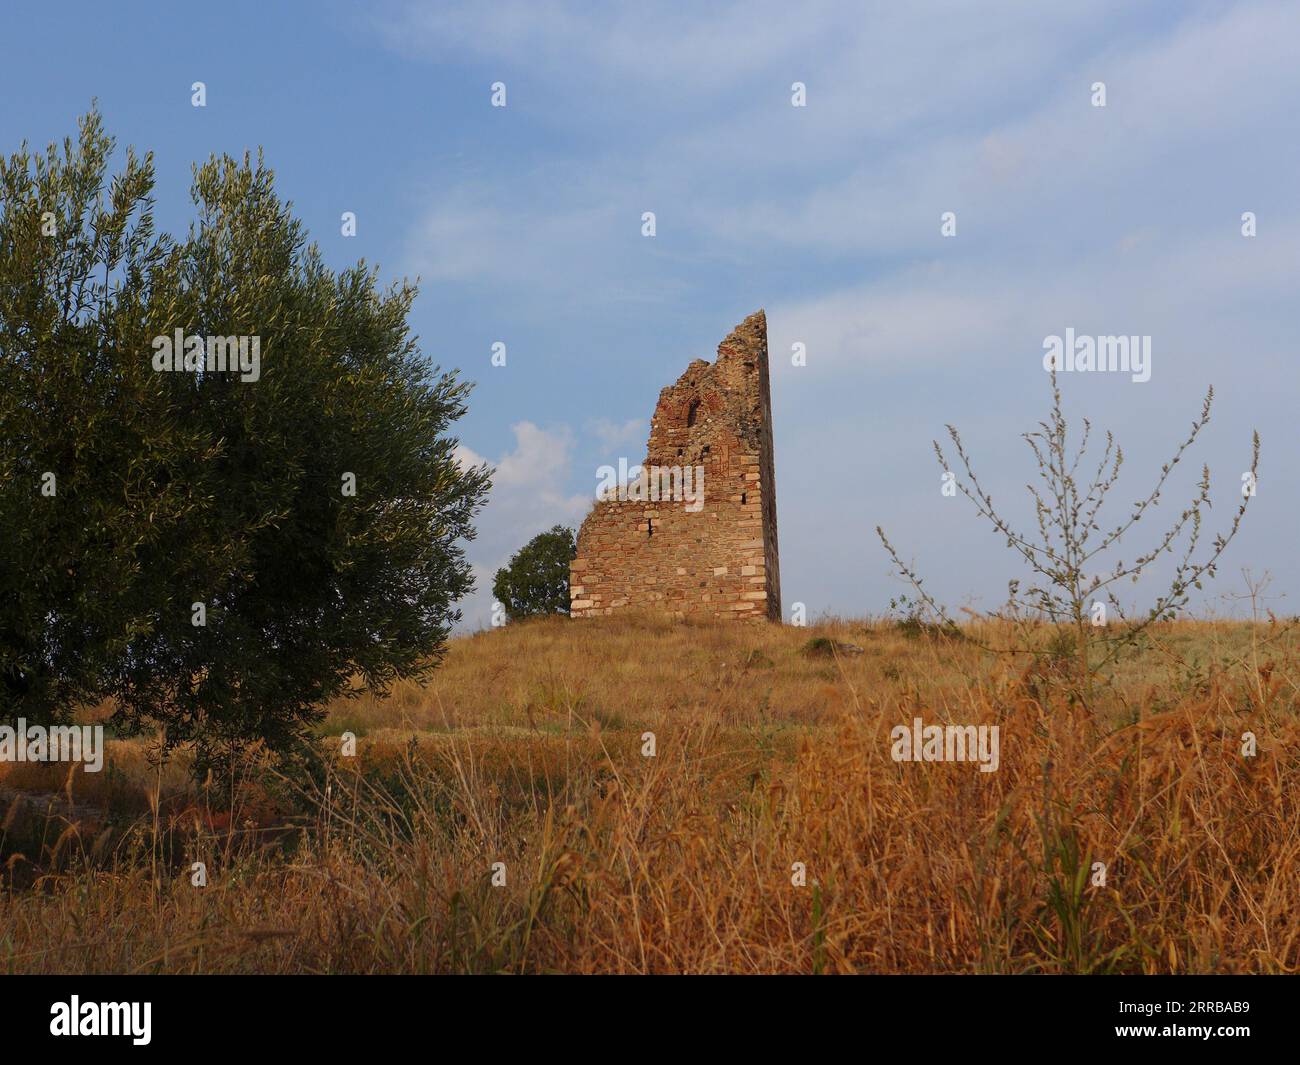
column 721, row 561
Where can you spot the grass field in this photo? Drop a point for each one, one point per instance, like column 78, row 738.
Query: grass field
column 523, row 761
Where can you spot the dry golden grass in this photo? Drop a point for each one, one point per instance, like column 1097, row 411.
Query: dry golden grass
column 526, row 749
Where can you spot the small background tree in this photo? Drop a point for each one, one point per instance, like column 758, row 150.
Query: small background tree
column 536, row 581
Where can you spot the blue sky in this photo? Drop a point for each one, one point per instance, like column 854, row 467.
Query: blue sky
column 524, row 224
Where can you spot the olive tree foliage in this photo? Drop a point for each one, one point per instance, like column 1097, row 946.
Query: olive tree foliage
column 1073, row 553
column 218, row 555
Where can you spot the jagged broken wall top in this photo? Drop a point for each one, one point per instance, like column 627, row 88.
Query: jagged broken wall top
column 721, row 561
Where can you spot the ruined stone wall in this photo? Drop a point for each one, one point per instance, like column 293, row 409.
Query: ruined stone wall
column 718, row 561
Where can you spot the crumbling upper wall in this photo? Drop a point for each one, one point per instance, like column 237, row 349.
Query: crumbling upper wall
column 717, row 557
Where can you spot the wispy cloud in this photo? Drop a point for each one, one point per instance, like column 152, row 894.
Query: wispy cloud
column 1122, row 219
column 528, row 497
column 612, row 435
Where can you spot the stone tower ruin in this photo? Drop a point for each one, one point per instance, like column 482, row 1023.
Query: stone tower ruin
column 655, row 548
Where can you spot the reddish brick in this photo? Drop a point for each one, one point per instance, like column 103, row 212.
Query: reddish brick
column 652, row 555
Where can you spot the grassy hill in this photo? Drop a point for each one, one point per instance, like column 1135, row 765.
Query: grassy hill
column 769, row 831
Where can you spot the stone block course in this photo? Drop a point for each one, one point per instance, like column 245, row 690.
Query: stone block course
column 720, row 560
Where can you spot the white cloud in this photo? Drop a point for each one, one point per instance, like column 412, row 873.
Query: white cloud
column 527, row 497
column 670, row 48
column 1119, row 220
column 613, row 435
